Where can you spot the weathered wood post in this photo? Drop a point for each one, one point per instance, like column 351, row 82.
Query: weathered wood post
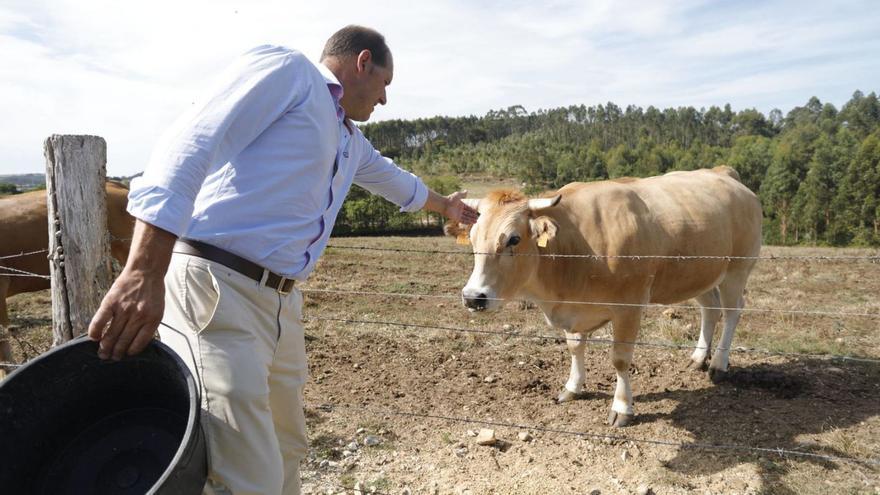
column 79, row 244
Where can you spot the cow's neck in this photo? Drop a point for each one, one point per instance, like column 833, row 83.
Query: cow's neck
column 566, row 279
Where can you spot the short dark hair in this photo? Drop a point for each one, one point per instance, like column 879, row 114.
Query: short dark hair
column 351, row 40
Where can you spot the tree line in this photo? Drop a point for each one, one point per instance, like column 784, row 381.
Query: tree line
column 816, row 168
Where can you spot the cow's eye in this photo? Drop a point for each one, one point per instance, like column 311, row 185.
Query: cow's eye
column 513, row 241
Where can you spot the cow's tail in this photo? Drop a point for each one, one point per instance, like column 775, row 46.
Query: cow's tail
column 728, row 171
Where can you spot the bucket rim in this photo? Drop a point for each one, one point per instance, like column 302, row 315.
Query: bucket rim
column 193, row 421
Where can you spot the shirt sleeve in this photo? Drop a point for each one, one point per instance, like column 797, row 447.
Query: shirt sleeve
column 381, row 176
column 253, row 92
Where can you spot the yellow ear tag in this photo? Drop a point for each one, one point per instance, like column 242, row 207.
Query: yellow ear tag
column 542, row 240
column 462, row 239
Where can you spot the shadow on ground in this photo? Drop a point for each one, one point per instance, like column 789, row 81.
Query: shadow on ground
column 771, row 406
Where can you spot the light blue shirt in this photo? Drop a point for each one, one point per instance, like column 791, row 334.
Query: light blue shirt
column 251, row 169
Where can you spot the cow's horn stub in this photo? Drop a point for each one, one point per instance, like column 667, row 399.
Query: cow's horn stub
column 472, row 202
column 541, row 203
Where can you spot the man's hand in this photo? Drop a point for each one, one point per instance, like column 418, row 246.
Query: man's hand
column 458, row 211
column 132, row 309
column 129, row 314
column 451, row 207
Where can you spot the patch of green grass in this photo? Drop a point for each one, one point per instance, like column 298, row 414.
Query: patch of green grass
column 779, row 337
column 347, row 481
column 447, row 438
column 325, row 447
column 382, row 485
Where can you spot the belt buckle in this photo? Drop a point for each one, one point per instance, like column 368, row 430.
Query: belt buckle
column 281, row 284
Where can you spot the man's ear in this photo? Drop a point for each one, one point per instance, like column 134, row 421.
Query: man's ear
column 543, row 230
column 363, row 58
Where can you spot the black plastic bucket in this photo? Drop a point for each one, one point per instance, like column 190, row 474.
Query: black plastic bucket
column 71, row 423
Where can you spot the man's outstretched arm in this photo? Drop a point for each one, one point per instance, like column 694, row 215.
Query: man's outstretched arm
column 131, row 311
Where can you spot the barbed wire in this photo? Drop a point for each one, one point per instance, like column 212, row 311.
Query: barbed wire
column 29, row 253
column 870, row 258
column 559, row 339
column 46, row 250
column 15, row 272
column 564, row 339
column 618, row 438
column 597, row 303
column 24, row 276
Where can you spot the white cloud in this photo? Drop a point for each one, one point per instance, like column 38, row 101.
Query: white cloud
column 124, row 70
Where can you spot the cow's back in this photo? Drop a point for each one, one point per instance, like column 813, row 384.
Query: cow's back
column 23, row 225
column 696, row 213
column 24, row 229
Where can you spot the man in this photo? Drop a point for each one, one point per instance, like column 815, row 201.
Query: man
column 244, row 191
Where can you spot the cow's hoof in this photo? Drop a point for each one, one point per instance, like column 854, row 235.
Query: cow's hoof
column 566, row 396
column 717, row 376
column 698, row 365
column 619, row 420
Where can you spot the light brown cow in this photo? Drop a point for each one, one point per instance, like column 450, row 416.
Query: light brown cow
column 24, row 228
column 698, row 213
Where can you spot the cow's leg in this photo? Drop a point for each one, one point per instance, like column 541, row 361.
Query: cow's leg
column 5, row 348
column 709, row 313
column 626, row 330
column 731, row 292
column 576, row 346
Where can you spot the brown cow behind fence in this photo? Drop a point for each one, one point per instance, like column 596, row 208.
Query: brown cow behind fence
column 24, row 229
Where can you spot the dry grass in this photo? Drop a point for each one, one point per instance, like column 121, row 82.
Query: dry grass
column 429, row 282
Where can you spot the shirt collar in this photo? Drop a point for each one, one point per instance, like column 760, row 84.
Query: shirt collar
column 332, row 83
column 336, row 91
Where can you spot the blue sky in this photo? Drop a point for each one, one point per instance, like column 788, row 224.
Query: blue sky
column 124, row 70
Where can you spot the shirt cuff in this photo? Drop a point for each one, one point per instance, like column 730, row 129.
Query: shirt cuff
column 160, row 207
column 419, row 197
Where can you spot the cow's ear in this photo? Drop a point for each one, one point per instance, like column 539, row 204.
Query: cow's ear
column 543, row 229
column 454, row 229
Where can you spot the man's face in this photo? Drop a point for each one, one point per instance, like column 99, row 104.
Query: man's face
column 367, row 88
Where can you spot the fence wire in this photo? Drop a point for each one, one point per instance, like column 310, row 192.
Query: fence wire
column 778, row 451
column 6, row 271
column 668, row 345
column 19, row 255
column 597, row 303
column 870, row 258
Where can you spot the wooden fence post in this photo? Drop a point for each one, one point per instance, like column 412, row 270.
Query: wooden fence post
column 79, row 244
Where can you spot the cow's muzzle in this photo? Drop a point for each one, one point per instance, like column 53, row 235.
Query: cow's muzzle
column 475, row 302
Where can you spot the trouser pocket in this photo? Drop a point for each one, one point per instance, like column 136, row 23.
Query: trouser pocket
column 201, row 293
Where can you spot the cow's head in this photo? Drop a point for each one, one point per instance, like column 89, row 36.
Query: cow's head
column 509, row 224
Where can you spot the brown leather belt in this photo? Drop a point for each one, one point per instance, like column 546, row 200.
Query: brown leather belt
column 245, row 267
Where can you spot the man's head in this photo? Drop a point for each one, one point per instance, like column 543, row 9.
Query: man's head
column 360, row 59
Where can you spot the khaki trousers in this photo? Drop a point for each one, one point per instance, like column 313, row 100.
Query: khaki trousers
column 249, row 350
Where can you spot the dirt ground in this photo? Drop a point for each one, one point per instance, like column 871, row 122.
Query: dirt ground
column 403, row 377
